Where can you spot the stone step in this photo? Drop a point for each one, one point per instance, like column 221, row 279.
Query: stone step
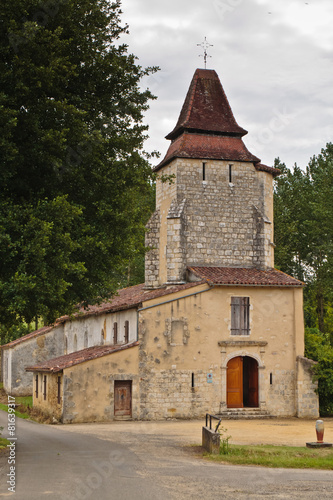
column 246, row 417
column 244, row 413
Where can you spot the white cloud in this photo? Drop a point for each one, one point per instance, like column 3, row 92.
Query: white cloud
column 269, row 55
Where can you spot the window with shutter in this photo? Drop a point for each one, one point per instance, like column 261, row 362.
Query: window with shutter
column 115, row 333
column 126, row 332
column 240, row 316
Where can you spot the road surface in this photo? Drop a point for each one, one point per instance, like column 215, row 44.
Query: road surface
column 141, row 461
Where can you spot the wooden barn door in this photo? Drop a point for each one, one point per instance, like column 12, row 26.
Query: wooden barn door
column 122, row 397
column 235, row 383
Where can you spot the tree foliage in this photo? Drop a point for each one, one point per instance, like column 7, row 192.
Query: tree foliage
column 75, row 183
column 303, row 212
column 319, row 348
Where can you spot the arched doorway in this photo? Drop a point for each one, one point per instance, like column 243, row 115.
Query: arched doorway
column 242, row 383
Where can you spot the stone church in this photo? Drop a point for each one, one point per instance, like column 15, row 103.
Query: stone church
column 214, row 328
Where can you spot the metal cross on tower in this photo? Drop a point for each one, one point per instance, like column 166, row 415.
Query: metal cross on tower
column 205, row 46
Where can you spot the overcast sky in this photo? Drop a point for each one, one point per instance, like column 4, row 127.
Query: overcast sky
column 274, row 60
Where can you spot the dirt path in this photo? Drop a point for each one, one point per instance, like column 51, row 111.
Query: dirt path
column 291, row 432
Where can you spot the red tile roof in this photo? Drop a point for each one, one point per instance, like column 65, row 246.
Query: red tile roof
column 36, row 333
column 206, row 108
column 210, row 147
column 127, row 298
column 244, row 276
column 264, row 168
column 60, row 363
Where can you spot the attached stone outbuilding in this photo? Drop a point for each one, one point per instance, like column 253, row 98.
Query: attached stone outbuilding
column 89, row 385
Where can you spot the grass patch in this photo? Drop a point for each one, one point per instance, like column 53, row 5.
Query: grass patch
column 24, row 401
column 3, row 443
column 20, row 414
column 288, row 457
column 25, row 408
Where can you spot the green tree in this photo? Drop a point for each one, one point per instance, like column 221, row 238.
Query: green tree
column 75, row 182
column 319, row 348
column 304, row 238
column 303, row 214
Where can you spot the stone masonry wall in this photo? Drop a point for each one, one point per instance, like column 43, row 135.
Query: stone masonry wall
column 224, row 220
column 176, row 242
column 281, row 393
column 221, row 223
column 306, row 399
column 171, row 395
column 152, row 256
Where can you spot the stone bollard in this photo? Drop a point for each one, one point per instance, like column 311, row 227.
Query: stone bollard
column 320, row 437
column 320, row 431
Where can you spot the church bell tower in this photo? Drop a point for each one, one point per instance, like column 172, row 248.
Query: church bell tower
column 218, row 210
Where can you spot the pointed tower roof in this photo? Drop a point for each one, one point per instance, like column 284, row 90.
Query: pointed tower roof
column 206, row 108
column 206, row 127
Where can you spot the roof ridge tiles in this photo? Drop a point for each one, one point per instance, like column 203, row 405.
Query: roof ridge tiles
column 59, row 363
column 240, row 276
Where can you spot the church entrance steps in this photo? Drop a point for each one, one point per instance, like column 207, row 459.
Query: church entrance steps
column 244, row 413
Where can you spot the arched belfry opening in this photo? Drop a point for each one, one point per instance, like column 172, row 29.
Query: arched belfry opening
column 242, row 382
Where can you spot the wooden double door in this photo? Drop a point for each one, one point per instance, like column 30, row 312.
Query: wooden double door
column 242, row 383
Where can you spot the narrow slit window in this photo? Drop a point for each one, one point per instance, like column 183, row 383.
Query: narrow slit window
column 230, row 174
column 36, row 392
column 115, row 333
column 204, row 171
column 192, row 381
column 271, row 378
column 126, row 332
column 59, row 387
column 240, row 316
column 44, row 384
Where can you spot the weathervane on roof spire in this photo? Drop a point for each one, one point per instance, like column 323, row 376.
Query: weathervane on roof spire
column 205, row 46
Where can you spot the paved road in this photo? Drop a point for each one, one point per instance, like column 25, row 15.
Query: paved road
column 126, row 461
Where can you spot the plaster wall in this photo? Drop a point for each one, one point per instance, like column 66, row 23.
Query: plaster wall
column 16, row 380
column 89, row 386
column 98, row 330
column 48, row 404
column 186, row 344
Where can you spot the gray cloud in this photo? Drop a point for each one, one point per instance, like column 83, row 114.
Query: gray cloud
column 275, row 68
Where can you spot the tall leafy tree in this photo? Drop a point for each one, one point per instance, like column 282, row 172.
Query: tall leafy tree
column 304, row 238
column 75, row 184
column 304, row 233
